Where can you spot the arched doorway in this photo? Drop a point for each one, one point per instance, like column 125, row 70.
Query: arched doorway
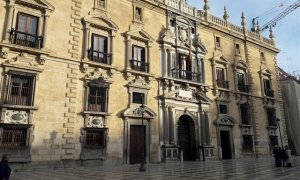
column 187, row 138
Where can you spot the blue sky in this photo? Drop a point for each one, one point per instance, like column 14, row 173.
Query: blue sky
column 287, row 30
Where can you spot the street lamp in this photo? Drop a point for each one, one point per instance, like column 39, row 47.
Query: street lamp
column 278, row 125
column 142, row 111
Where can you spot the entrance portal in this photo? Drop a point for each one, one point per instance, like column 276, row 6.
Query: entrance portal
column 187, row 138
column 137, row 144
column 225, row 144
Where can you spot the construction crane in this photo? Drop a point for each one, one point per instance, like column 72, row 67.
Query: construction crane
column 273, row 22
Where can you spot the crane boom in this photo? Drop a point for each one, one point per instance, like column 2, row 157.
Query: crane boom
column 284, row 13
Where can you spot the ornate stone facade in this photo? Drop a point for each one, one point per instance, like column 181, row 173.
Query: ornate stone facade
column 75, row 74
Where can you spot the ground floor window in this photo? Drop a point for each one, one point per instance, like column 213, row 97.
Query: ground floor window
column 247, row 143
column 13, row 136
column 95, row 138
column 273, row 141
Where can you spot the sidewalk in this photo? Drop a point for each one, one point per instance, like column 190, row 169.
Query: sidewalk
column 228, row 169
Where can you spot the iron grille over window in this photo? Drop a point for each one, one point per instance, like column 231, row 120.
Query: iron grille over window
column 26, row 32
column 98, row 52
column 273, row 141
column 271, row 113
column 245, row 114
column 97, row 98
column 20, row 90
column 95, row 138
column 138, row 98
column 14, row 136
column 247, row 143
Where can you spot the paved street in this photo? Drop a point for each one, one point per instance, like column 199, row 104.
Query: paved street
column 228, row 169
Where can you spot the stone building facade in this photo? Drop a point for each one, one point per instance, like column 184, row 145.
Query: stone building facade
column 75, row 74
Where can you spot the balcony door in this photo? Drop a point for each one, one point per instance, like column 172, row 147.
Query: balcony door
column 26, row 34
column 185, row 67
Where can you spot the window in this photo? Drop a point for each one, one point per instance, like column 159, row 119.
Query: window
column 98, row 52
column 245, row 114
column 100, row 3
column 221, row 80
column 138, row 98
column 262, row 56
column 223, row 109
column 193, row 30
column 20, row 90
column 95, row 138
column 241, row 77
column 218, row 42
column 97, row 98
column 14, row 137
column 26, row 31
column 138, row 14
column 172, row 23
column 138, row 61
column 237, row 49
column 273, row 141
column 247, row 143
column 271, row 114
column 267, row 88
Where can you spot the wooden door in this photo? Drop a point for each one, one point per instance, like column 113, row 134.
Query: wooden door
column 186, row 140
column 137, row 144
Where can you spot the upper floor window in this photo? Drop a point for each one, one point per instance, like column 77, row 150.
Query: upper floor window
column 221, row 78
column 26, row 31
column 20, row 90
column 237, row 49
column 267, row 88
column 138, row 14
column 99, row 49
column 271, row 115
column 242, row 83
column 138, row 61
column 138, row 98
column 262, row 56
column 100, row 3
column 218, row 42
column 97, row 98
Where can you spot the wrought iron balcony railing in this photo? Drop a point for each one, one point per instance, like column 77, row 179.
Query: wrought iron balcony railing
column 26, row 39
column 187, row 75
column 223, row 84
column 243, row 88
column 139, row 65
column 100, row 57
column 269, row 92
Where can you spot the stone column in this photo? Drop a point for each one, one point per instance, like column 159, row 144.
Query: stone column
column 161, row 125
column 86, row 42
column 207, row 130
column 9, row 22
column 112, row 46
column 172, row 124
column 203, row 131
column 203, row 71
column 46, row 17
column 166, row 125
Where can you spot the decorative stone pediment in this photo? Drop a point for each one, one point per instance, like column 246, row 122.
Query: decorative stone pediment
column 38, row 4
column 25, row 61
column 241, row 64
column 139, row 82
column 139, row 34
column 203, row 98
column 100, row 21
column 266, row 72
column 220, row 58
column 97, row 75
column 225, row 120
column 134, row 112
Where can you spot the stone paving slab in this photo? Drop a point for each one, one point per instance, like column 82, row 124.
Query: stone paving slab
column 239, row 169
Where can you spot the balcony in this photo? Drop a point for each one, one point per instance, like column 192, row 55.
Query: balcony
column 100, row 57
column 139, row 65
column 269, row 93
column 26, row 39
column 186, row 75
column 223, row 84
column 243, row 88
